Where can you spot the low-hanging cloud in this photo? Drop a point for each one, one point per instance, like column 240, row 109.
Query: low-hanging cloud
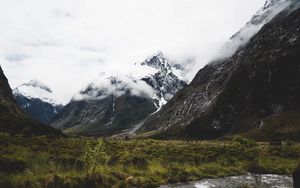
column 263, row 16
column 67, row 43
column 115, row 83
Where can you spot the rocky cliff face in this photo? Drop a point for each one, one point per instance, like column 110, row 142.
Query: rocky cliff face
column 13, row 120
column 6, row 98
column 255, row 92
column 37, row 100
column 116, row 102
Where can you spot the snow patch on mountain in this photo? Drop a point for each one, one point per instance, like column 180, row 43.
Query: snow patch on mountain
column 35, row 89
column 160, row 63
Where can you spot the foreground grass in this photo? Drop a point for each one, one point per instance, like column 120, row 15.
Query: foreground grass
column 82, row 162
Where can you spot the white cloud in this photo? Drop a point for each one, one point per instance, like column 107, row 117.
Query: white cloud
column 116, row 82
column 263, row 16
column 66, row 43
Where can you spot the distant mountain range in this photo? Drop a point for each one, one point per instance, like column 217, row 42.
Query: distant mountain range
column 255, row 92
column 117, row 102
column 38, row 100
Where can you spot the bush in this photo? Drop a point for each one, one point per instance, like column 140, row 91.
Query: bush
column 94, row 156
column 244, row 141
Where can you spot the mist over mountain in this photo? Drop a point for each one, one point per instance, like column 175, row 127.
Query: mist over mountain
column 120, row 99
column 119, row 102
column 255, row 92
column 77, row 40
column 217, row 106
column 270, row 9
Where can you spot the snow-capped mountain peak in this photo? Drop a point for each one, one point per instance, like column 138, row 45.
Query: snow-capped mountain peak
column 160, row 63
column 157, row 77
column 157, row 61
column 35, row 89
column 167, row 79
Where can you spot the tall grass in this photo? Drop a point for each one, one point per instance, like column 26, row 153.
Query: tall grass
column 83, row 162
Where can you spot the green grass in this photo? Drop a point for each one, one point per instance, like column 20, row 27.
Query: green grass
column 85, row 162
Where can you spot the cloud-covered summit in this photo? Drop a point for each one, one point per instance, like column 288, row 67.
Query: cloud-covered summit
column 157, row 78
column 35, row 89
column 68, row 42
column 270, row 9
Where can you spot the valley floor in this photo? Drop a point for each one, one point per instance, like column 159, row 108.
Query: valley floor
column 85, row 162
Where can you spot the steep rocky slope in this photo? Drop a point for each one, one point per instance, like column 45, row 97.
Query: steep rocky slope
column 13, row 120
column 37, row 100
column 255, row 92
column 117, row 102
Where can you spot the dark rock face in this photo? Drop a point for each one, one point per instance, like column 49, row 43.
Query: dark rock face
column 37, row 99
column 164, row 82
column 38, row 109
column 12, row 118
column 6, row 98
column 105, row 117
column 244, row 93
column 122, row 103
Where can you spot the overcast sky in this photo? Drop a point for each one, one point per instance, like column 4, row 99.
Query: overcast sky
column 66, row 43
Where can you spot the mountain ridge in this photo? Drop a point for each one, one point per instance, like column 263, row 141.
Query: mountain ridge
column 233, row 95
column 117, row 101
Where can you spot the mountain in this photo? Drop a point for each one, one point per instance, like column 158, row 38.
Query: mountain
column 37, row 100
column 13, row 120
column 255, row 92
column 165, row 81
column 118, row 102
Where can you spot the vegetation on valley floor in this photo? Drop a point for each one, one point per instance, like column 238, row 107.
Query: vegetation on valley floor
column 85, row 162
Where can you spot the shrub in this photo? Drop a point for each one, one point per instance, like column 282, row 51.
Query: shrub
column 244, row 141
column 94, row 156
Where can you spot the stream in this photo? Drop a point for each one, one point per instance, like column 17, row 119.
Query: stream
column 242, row 181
